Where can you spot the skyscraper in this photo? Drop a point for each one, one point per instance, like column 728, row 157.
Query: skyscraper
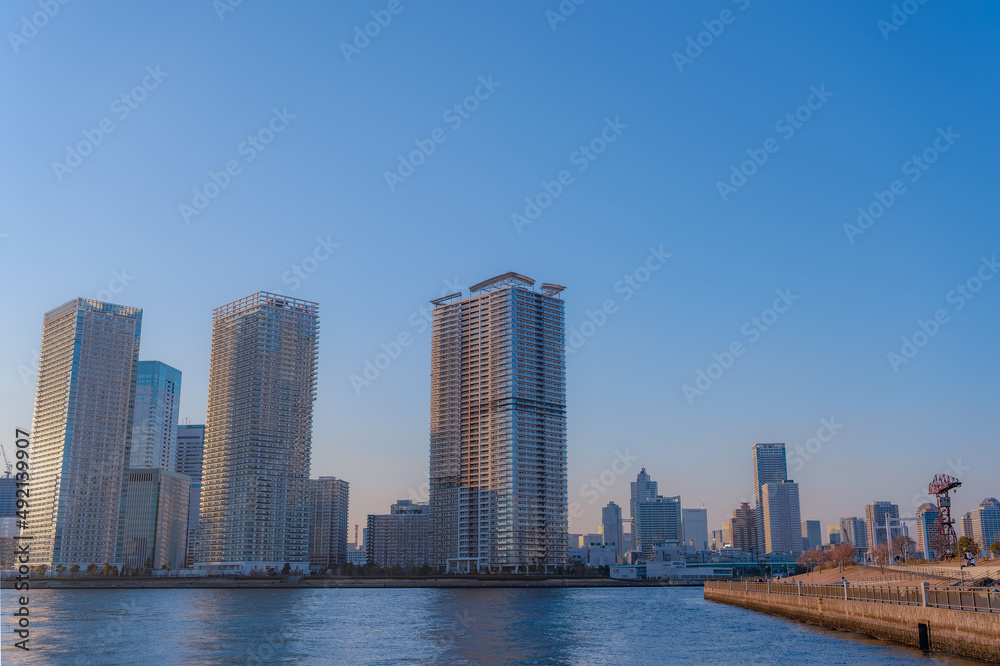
column 782, row 518
column 328, row 500
column 875, row 519
column 986, row 523
column 611, row 527
column 743, row 528
column 261, row 388
column 498, row 496
column 642, row 488
column 81, row 432
column 812, row 537
column 657, row 519
column 768, row 465
column 927, row 517
column 833, row 534
column 154, row 421
column 694, row 523
column 855, row 532
column 190, row 452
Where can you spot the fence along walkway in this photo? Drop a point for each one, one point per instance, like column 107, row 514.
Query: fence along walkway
column 983, row 599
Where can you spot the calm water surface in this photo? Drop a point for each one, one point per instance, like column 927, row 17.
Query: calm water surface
column 497, row 626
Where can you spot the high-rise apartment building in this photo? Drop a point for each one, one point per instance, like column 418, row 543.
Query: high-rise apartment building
column 328, row 500
column 156, row 512
column 694, row 524
column 81, row 432
column 768, row 465
column 258, row 436
column 190, row 452
column 611, row 527
column 782, row 518
column 986, row 523
column 657, row 519
column 875, row 519
column 154, row 420
column 743, row 528
column 399, row 538
column 498, row 496
column 642, row 488
column 854, row 531
column 927, row 517
column 812, row 536
column 833, row 534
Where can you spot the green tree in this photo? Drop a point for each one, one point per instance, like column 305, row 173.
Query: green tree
column 287, row 569
column 74, row 570
column 966, row 545
column 41, row 569
column 92, row 569
column 60, row 569
column 995, row 548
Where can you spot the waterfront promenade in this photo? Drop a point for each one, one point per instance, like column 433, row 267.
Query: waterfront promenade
column 964, row 621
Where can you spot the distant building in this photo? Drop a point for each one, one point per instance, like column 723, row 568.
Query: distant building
column 591, row 539
column 601, row 556
column 356, row 556
column 156, row 515
column 626, row 543
column 927, row 517
column 743, row 529
column 986, row 523
column 875, row 518
column 718, row 539
column 657, row 519
column 399, row 539
column 154, row 421
column 768, row 466
column 694, row 523
column 328, row 499
column 782, row 520
column 611, row 527
column 855, row 532
column 190, row 452
column 812, row 537
column 8, row 496
column 81, row 431
column 642, row 489
column 966, row 522
column 258, row 436
column 833, row 534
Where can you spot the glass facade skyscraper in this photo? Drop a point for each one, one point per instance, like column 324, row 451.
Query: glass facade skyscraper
column 154, row 423
column 190, row 452
column 498, row 496
column 258, row 436
column 81, row 432
column 768, row 465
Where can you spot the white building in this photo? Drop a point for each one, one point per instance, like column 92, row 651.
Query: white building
column 611, row 527
column 782, row 519
column 986, row 523
column 258, row 436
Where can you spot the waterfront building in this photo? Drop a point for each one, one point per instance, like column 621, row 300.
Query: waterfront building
column 927, row 517
column 657, row 519
column 190, row 453
column 854, row 531
column 155, row 517
column 743, row 528
column 875, row 519
column 399, row 538
column 81, row 432
column 986, row 523
column 154, row 420
column 833, row 534
column 356, row 556
column 611, row 527
column 258, row 436
column 782, row 520
column 769, row 465
column 328, row 498
column 812, row 537
column 599, row 555
column 498, row 494
column 694, row 525
column 642, row 489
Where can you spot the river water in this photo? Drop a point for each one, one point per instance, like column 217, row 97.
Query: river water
column 422, row 626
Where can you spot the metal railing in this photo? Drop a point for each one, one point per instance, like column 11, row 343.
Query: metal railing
column 983, row 599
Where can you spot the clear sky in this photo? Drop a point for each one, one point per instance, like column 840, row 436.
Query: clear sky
column 310, row 127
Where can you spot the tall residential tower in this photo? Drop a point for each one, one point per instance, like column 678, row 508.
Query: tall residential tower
column 81, row 432
column 498, row 496
column 154, row 423
column 258, row 437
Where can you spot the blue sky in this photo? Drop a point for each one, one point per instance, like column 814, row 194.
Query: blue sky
column 113, row 224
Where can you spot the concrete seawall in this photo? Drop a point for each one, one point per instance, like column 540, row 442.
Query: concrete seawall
column 963, row 633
